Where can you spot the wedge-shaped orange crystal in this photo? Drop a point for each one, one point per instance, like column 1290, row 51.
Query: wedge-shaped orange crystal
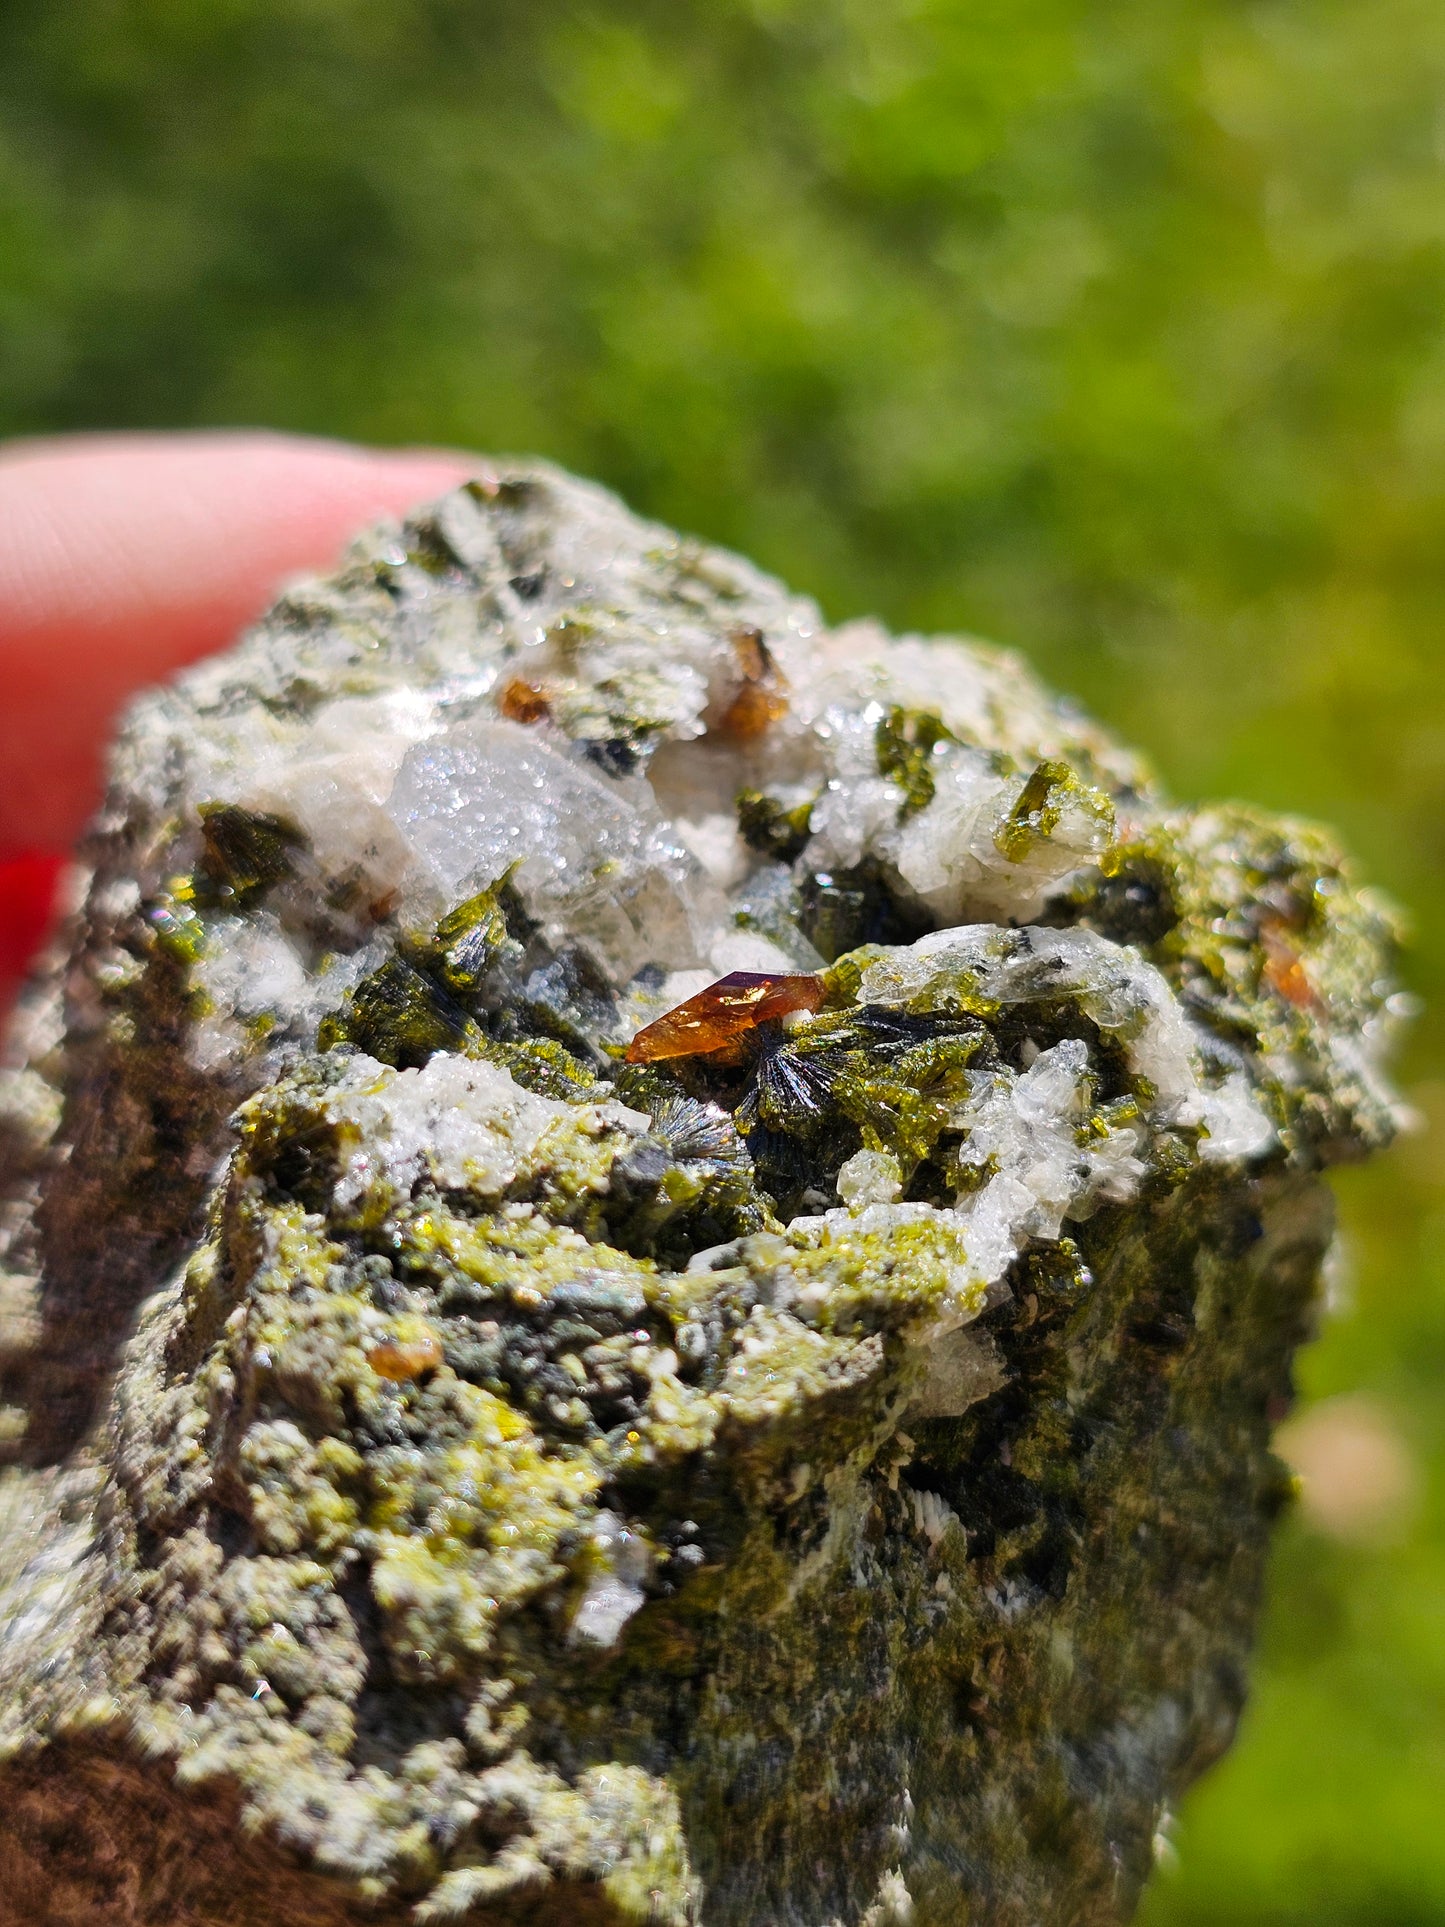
column 717, row 1017
column 763, row 697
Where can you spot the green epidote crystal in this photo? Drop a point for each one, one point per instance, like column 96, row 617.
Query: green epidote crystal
column 459, row 1474
column 399, row 1016
column 1037, row 812
column 244, row 853
column 906, row 744
column 772, row 828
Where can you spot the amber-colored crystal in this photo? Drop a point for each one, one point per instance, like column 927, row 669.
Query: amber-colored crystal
column 716, row 1017
column 762, row 700
column 753, row 709
column 401, row 1359
column 523, row 702
column 1285, row 972
column 755, row 659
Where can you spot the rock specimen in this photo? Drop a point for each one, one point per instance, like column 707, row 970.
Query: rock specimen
column 648, row 1252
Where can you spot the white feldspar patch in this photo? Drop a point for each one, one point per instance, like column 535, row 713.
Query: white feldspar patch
column 335, row 790
column 950, row 852
column 713, row 839
column 255, row 982
column 459, row 1121
column 622, row 1562
column 747, row 950
column 1023, row 1144
column 254, row 971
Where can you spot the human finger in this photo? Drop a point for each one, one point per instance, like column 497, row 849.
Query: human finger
column 124, row 556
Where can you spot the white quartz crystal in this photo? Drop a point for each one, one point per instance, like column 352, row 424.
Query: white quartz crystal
column 869, row 1177
column 593, row 858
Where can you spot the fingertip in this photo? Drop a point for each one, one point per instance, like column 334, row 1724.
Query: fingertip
column 29, row 884
column 105, row 525
column 123, row 557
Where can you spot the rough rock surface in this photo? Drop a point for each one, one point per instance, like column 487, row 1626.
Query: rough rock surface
column 460, row 1468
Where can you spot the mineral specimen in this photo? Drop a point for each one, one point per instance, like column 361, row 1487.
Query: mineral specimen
column 506, row 1426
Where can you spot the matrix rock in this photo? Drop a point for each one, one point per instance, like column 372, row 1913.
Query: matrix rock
column 648, row 1251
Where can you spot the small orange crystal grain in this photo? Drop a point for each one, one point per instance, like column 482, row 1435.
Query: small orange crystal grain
column 716, row 1017
column 400, row 1359
column 523, row 702
column 1285, row 972
column 762, row 699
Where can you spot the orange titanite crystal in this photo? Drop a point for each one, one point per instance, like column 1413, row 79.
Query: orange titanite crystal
column 1285, row 972
column 725, row 1011
column 762, row 699
column 404, row 1358
column 523, row 702
column 753, row 708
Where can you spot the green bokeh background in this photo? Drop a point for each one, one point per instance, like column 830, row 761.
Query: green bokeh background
column 1112, row 330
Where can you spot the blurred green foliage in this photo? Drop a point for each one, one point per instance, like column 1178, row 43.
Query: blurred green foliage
column 1114, row 330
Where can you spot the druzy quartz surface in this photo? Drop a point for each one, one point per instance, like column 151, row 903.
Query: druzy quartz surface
column 648, row 1249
